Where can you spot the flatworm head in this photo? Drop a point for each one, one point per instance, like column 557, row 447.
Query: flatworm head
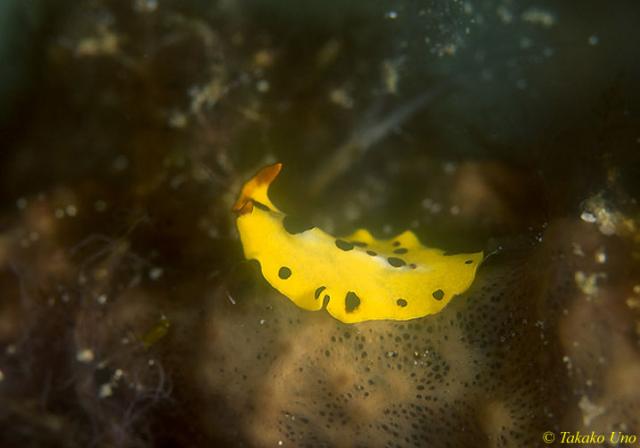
column 356, row 277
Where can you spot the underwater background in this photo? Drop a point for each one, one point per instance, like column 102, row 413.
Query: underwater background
column 128, row 315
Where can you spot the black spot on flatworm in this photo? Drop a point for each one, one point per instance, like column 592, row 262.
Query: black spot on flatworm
column 359, row 243
column 295, row 225
column 402, row 250
column 438, row 294
column 319, row 291
column 344, row 245
column 351, row 302
column 401, row 302
column 284, row 273
column 468, row 262
column 261, row 206
column 396, row 243
column 413, row 266
column 372, row 253
column 396, row 262
column 325, row 301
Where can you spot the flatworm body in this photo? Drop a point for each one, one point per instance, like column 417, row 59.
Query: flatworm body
column 355, row 277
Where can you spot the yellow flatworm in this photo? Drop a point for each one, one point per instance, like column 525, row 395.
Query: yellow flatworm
column 356, row 277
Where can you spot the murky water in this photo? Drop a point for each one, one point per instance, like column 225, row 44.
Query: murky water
column 129, row 316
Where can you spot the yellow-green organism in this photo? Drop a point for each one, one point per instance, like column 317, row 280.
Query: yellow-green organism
column 355, row 277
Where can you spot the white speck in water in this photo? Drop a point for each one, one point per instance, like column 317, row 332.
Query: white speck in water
column 100, row 205
column 146, row 5
column 262, row 321
column 577, row 250
column 263, row 86
column 449, row 49
column 124, row 341
column 392, row 15
column 593, row 40
column 177, row 181
column 178, row 120
column 11, row 349
column 432, row 206
column 59, row 213
column 71, row 210
column 155, row 273
column 85, row 356
column 352, row 212
column 105, row 391
column 341, row 97
column 587, row 216
column 102, row 299
column 152, row 362
column 526, row 43
column 504, row 14
column 449, row 167
column 454, row 210
column 280, row 442
column 390, row 76
column 21, row 203
column 600, row 256
column 120, row 163
column 540, row 17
